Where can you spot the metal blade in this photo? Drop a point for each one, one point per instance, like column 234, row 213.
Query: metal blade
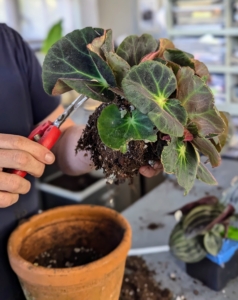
column 70, row 109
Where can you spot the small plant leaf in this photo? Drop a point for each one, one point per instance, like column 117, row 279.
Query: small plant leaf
column 187, row 250
column 118, row 65
column 198, row 101
column 70, row 58
column 174, row 108
column 218, row 229
column 196, row 221
column 212, row 242
column 179, row 57
column 134, row 48
column 116, row 131
column 220, row 140
column 147, row 86
column 164, row 44
column 55, row 33
column 108, row 45
column 96, row 45
column 208, row 149
column 205, row 175
column 201, row 70
column 92, row 89
column 181, row 159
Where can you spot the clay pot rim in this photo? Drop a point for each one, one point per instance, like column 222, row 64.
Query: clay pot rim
column 22, row 266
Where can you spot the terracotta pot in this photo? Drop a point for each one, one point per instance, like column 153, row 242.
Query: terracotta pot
column 100, row 228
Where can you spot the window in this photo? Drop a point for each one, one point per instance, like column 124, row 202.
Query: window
column 33, row 19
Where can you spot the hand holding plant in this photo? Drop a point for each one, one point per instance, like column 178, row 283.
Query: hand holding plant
column 157, row 105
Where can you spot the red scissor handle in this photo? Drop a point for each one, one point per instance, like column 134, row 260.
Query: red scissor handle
column 47, row 135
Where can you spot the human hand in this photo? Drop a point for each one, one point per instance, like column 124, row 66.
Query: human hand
column 149, row 171
column 20, row 153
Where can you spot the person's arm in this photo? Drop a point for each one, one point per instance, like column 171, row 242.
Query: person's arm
column 73, row 164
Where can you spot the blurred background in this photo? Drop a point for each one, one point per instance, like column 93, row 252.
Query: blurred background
column 206, row 28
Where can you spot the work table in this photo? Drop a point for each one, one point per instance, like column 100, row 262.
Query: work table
column 153, row 208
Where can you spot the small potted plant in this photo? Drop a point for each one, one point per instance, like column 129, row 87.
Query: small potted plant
column 156, row 104
column 205, row 240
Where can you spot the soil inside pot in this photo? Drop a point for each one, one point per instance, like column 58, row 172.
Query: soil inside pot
column 139, row 284
column 66, row 257
column 115, row 164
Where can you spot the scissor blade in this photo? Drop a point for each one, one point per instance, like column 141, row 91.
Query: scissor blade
column 70, row 109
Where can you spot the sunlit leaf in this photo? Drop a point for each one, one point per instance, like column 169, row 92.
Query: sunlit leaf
column 205, row 175
column 179, row 57
column 198, row 101
column 116, row 131
column 212, row 243
column 181, row 159
column 147, row 86
column 134, row 48
column 208, row 149
column 70, row 58
column 55, row 33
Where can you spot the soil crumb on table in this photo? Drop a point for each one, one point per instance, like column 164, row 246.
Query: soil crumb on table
column 139, row 284
column 154, row 226
column 66, row 257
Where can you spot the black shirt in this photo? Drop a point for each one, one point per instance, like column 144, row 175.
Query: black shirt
column 23, row 104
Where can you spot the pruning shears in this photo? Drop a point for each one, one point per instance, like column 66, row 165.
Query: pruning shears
column 48, row 133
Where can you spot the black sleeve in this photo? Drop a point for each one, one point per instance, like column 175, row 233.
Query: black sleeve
column 42, row 103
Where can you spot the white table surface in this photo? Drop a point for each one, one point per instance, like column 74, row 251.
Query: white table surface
column 153, row 207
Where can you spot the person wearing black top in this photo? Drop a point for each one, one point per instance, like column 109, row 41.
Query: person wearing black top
column 23, row 105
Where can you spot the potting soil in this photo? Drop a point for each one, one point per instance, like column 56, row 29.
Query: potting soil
column 139, row 284
column 115, row 164
column 66, row 257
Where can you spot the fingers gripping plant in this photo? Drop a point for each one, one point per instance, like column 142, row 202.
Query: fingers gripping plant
column 156, row 103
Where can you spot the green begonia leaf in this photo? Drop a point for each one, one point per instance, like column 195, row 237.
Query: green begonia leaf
column 134, row 48
column 108, row 45
column 201, row 70
column 70, row 58
column 179, row 57
column 118, row 65
column 198, row 101
column 116, row 131
column 163, row 45
column 208, row 149
column 181, row 159
column 92, row 89
column 205, row 175
column 148, row 86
